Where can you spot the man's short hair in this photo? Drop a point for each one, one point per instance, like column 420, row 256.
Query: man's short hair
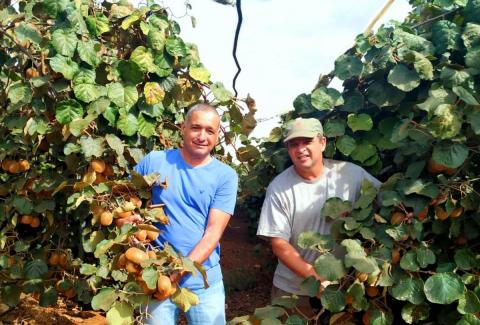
column 200, row 107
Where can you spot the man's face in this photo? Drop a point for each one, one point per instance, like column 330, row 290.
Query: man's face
column 200, row 134
column 306, row 153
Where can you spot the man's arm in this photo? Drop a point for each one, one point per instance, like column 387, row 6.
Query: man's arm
column 292, row 259
column 217, row 222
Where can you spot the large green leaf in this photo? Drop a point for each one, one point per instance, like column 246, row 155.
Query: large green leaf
column 363, row 152
column 412, row 314
column 409, row 261
column 357, row 258
column 120, row 313
column 329, row 267
column 444, row 288
column 437, row 95
column 64, row 41
column 220, row 93
column 153, row 93
column 446, row 123
column 143, row 57
column 347, row 66
column 382, row 94
column 445, row 35
column 156, row 39
column 88, row 52
column 98, row 24
column 64, row 65
column 472, row 59
column 92, row 146
column 88, row 92
column 68, row 110
column 130, row 72
column 414, row 42
column 346, row 144
column 451, row 155
column 336, row 208
column 360, row 122
column 150, row 276
column 127, row 124
column 469, row 303
column 28, row 32
column 35, row 269
column 326, row 98
column 124, row 96
column 471, row 35
column 146, row 126
column 403, row 78
column 175, row 47
column 20, row 93
column 333, row 299
column 368, row 193
column 199, row 73
column 185, row 299
column 409, row 289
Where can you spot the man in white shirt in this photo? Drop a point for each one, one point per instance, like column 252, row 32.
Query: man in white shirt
column 294, row 201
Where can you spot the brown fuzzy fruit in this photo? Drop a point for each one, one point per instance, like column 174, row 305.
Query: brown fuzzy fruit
column 164, row 285
column 362, row 277
column 397, row 218
column 456, row 213
column 31, row 73
column 371, row 291
column 132, row 267
column 26, row 219
column 99, row 178
column 14, row 167
column 54, row 259
column 24, row 165
column 395, row 255
column 70, row 293
column 440, row 213
column 152, row 235
column 123, row 214
column 62, row 259
column 136, row 255
column 152, row 255
column 108, row 172
column 141, row 235
column 98, row 165
column 122, row 261
column 106, row 218
column 6, row 164
column 135, row 200
column 35, row 222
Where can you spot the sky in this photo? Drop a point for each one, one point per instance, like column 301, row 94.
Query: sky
column 284, row 45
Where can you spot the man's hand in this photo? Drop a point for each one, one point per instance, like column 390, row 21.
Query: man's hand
column 134, row 219
column 176, row 276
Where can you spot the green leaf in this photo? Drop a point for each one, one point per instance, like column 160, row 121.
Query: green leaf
column 146, row 126
column 156, row 39
column 334, row 128
column 185, row 299
column 150, row 276
column 368, row 193
column 54, row 7
column 130, row 72
column 115, row 143
column 68, row 110
column 11, row 294
column 153, row 92
column 421, row 187
column 357, row 257
column 471, row 35
column 326, row 98
column 131, row 19
column 469, row 303
column 412, row 314
column 465, row 95
column 97, row 24
column 409, row 262
column 26, row 32
column 143, row 57
column 465, row 259
column 91, row 241
column 383, row 94
column 445, row 36
column 64, row 65
column 88, row 269
column 360, row 122
column 92, row 147
column 347, row 66
column 409, row 289
column 164, row 65
column 381, row 317
column 437, row 95
column 446, row 123
column 333, row 299
column 335, row 208
column 124, row 96
column 127, row 124
column 88, row 52
column 121, row 313
column 65, row 42
column 403, row 78
column 346, row 144
column 176, row 47
column 451, row 155
column 84, row 76
column 444, row 288
column 35, row 269
column 329, row 267
column 425, row 257
column 314, row 240
column 414, row 42
column 221, row 94
column 200, row 74
column 19, row 93
column 104, row 299
column 88, row 92
column 453, row 77
column 363, row 152
column 48, row 297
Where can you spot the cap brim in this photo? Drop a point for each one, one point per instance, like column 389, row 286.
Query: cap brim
column 301, row 134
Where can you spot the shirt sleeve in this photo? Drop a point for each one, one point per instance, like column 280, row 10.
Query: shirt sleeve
column 226, row 194
column 274, row 218
column 371, row 179
column 143, row 166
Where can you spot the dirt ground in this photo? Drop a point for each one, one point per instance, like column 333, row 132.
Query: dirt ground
column 247, row 266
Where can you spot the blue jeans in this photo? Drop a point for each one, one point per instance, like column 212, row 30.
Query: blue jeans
column 210, row 310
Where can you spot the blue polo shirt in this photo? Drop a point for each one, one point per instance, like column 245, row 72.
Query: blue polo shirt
column 191, row 193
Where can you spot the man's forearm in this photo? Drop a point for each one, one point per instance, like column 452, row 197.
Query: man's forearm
column 205, row 246
column 292, row 259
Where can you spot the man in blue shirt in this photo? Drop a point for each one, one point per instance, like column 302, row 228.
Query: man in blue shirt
column 199, row 202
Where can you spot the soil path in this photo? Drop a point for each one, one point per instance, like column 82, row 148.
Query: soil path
column 247, row 268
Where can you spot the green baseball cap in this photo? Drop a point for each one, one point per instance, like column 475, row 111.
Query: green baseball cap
column 303, row 128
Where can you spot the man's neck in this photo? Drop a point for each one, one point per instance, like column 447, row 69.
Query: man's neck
column 195, row 161
column 310, row 174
